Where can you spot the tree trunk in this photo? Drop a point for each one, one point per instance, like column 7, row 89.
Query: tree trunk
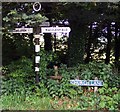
column 47, row 36
column 117, row 44
column 107, row 60
column 31, row 45
column 48, row 43
column 76, row 43
column 89, row 45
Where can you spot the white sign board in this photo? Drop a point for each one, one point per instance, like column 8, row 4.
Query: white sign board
column 55, row 29
column 23, row 30
column 87, row 82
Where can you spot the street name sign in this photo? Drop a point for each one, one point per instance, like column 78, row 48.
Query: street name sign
column 87, row 82
column 55, row 29
column 23, row 30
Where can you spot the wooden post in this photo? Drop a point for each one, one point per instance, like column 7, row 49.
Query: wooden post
column 95, row 88
column 56, row 70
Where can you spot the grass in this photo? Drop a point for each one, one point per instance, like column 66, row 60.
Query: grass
column 30, row 103
column 86, row 101
column 33, row 102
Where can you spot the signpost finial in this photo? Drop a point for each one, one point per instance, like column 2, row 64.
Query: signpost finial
column 37, row 6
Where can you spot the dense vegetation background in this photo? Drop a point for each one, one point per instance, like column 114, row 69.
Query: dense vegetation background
column 91, row 50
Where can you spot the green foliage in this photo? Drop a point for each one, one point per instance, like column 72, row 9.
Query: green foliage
column 33, row 102
column 46, row 58
column 23, row 65
column 83, row 72
column 41, row 90
column 18, row 83
column 109, row 97
column 20, row 77
column 90, row 101
column 14, row 16
column 102, row 71
column 90, row 71
column 63, row 87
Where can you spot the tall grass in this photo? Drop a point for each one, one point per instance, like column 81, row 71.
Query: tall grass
column 15, row 102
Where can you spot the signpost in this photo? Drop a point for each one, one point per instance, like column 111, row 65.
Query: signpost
column 87, row 82
column 37, row 48
column 23, row 30
column 37, row 6
column 55, row 29
column 36, row 40
column 93, row 83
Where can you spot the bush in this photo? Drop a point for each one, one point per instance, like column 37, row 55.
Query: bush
column 19, row 80
column 20, row 77
column 46, row 58
column 102, row 71
column 108, row 97
column 84, row 72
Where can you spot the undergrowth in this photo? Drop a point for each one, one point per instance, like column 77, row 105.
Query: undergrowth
column 19, row 90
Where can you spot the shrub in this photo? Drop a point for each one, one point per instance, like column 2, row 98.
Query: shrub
column 102, row 71
column 83, row 72
column 20, row 76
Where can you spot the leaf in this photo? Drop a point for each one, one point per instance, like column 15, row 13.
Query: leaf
column 12, row 12
column 24, row 16
column 112, row 108
column 6, row 19
column 105, row 85
column 102, row 104
column 101, row 90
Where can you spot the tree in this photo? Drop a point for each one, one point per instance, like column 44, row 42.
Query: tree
column 79, row 15
column 19, row 15
column 47, row 36
column 117, row 45
column 109, row 37
column 87, row 59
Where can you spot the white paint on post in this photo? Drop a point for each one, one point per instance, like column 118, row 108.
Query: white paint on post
column 36, row 41
column 36, row 69
column 37, row 59
column 37, row 36
column 37, row 48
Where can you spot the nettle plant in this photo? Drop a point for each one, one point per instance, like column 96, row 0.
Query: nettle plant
column 63, row 87
column 19, row 78
column 109, row 97
column 102, row 71
column 83, row 72
column 46, row 58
